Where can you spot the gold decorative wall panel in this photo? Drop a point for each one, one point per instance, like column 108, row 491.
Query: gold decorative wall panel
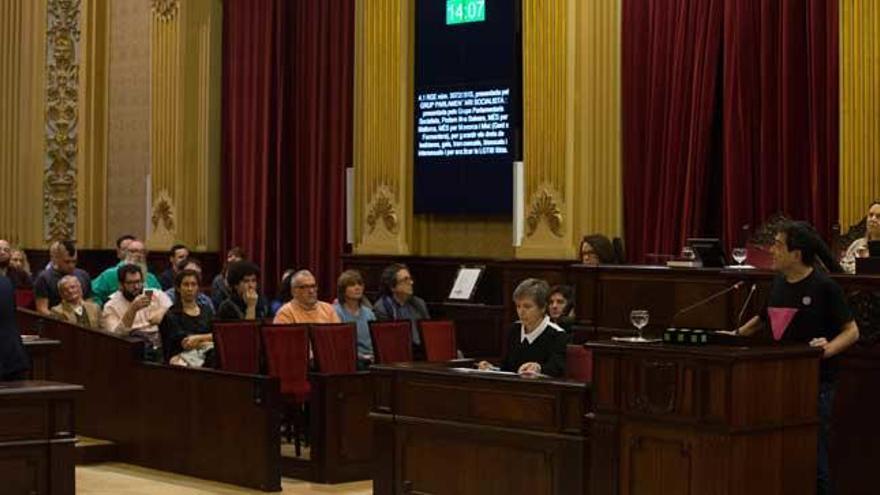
column 597, row 138
column 859, row 108
column 62, row 124
column 571, row 134
column 548, row 127
column 382, row 126
column 128, row 132
column 185, row 135
column 91, row 197
column 22, row 120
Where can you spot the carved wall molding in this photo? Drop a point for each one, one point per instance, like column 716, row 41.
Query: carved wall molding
column 544, row 206
column 164, row 10
column 163, row 213
column 381, row 208
column 62, row 87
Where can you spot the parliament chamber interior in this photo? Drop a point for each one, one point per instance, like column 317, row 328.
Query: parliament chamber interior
column 604, row 247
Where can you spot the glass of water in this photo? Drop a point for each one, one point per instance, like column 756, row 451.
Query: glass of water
column 739, row 255
column 639, row 319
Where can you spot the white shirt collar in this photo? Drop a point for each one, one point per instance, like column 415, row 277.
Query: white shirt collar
column 531, row 337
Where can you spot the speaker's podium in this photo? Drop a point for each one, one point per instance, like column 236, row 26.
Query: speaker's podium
column 703, row 420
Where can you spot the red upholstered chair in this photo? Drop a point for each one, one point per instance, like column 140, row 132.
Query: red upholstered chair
column 579, row 363
column 392, row 341
column 438, row 337
column 335, row 347
column 24, row 298
column 237, row 344
column 287, row 358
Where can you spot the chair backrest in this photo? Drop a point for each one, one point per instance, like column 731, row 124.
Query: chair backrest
column 335, row 347
column 438, row 337
column 237, row 344
column 579, row 363
column 392, row 341
column 24, row 298
column 287, row 356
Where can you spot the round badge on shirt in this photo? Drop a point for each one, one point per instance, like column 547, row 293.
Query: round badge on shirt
column 807, row 300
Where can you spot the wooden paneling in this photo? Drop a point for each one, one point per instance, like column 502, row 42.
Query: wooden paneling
column 37, row 437
column 342, row 436
column 204, row 423
column 448, row 432
column 675, row 434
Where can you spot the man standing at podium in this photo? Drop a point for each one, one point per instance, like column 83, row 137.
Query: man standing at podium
column 805, row 305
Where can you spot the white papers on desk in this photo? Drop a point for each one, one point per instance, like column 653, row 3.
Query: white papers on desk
column 488, row 372
column 463, row 288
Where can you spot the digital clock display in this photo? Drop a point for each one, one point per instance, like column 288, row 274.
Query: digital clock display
column 464, row 11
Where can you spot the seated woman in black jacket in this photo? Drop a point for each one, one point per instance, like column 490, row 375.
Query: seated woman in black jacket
column 186, row 328
column 535, row 344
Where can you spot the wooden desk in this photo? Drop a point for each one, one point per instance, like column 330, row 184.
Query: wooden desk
column 205, row 423
column 37, row 437
column 41, row 351
column 341, row 432
column 703, row 420
column 441, row 431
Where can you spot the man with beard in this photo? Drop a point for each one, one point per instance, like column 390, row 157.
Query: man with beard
column 133, row 311
column 19, row 279
column 63, row 263
column 108, row 282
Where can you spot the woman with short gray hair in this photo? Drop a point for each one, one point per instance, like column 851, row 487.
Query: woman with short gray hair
column 535, row 345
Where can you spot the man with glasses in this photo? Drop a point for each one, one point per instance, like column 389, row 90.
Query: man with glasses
column 398, row 301
column 62, row 262
column 108, row 282
column 135, row 312
column 305, row 306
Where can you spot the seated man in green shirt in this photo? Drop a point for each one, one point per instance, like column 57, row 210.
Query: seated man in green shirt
column 108, row 282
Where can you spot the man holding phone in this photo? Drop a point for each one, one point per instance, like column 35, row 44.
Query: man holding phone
column 135, row 312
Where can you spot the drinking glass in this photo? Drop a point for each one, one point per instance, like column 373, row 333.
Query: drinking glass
column 639, row 319
column 687, row 253
column 739, row 255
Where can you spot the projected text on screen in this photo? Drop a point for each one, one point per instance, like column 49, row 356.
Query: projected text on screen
column 463, row 123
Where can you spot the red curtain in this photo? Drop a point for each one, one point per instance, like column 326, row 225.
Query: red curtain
column 322, row 94
column 287, row 93
column 671, row 52
column 780, row 113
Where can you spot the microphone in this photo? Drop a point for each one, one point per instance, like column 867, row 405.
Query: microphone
column 701, row 302
column 744, row 306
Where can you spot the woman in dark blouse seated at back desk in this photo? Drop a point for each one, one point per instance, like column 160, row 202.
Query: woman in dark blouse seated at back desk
column 535, row 344
column 186, row 328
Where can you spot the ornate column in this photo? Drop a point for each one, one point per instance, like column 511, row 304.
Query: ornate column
column 571, row 125
column 548, row 127
column 23, row 65
column 62, row 124
column 185, row 135
column 383, row 126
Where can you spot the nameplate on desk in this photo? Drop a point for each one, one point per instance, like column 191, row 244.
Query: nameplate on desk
column 484, row 372
column 684, row 264
column 25, row 337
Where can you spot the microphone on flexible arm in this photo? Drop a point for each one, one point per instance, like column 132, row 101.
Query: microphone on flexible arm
column 701, row 302
column 744, row 306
